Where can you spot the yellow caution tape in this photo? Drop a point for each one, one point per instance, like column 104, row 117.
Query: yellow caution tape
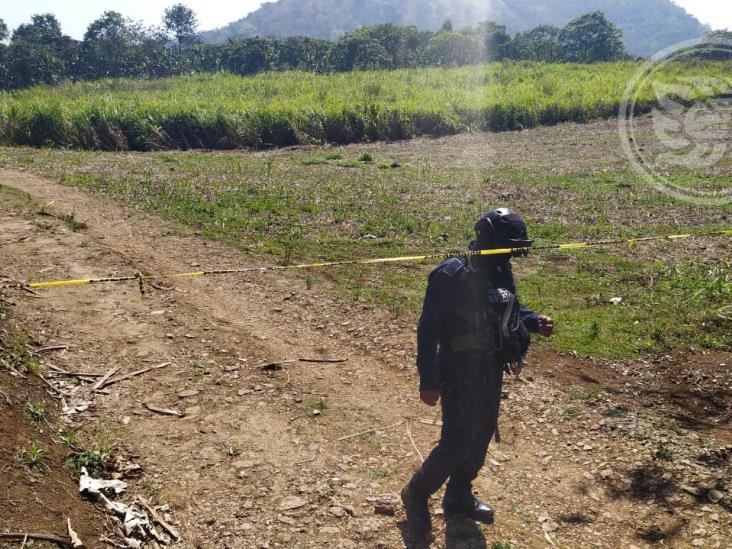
column 403, row 259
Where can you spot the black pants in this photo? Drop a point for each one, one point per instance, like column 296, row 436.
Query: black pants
column 470, row 400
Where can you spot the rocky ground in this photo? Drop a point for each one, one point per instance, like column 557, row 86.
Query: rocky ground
column 593, row 453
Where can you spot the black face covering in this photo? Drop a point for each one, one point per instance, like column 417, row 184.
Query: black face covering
column 500, row 228
column 487, row 262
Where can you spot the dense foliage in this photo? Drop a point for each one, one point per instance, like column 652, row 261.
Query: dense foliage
column 648, row 25
column 115, row 46
column 285, row 108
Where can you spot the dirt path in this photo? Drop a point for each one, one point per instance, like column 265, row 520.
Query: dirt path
column 256, row 460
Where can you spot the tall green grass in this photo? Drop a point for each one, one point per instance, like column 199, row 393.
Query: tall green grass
column 224, row 111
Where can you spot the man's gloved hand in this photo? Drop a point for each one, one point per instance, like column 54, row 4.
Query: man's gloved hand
column 546, row 325
column 430, row 398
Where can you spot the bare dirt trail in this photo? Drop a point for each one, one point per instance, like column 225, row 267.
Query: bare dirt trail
column 256, row 460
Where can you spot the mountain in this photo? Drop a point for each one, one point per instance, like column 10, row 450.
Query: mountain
column 648, row 25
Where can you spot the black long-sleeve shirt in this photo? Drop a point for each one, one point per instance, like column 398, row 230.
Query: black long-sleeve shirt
column 445, row 283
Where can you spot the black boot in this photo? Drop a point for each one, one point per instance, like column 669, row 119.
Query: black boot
column 417, row 510
column 469, row 507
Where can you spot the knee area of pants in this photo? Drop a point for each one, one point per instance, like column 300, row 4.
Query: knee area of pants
column 459, row 449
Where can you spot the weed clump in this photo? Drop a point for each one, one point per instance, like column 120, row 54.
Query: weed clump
column 36, row 456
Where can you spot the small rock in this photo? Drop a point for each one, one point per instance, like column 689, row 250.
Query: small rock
column 697, row 542
column 606, row 473
column 691, row 490
column 337, row 511
column 189, row 393
column 292, row 502
column 549, row 526
column 329, row 530
column 386, row 510
column 714, row 496
column 286, row 519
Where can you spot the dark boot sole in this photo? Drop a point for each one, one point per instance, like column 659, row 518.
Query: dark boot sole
column 419, row 530
column 471, row 516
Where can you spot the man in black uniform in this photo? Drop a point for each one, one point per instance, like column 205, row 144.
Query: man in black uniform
column 472, row 327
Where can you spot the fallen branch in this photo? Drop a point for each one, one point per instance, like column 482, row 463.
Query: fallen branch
column 325, row 360
column 99, row 384
column 66, row 542
column 163, row 411
column 133, row 374
column 414, row 445
column 372, row 430
column 434, row 422
column 6, row 397
column 157, row 518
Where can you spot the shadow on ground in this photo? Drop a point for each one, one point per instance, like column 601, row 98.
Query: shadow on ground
column 459, row 533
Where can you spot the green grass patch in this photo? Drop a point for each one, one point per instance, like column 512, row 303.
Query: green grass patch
column 36, row 411
column 224, row 111
column 35, row 456
column 94, row 458
column 615, row 302
column 572, row 411
column 664, row 453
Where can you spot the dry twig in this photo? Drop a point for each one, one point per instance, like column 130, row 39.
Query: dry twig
column 133, row 374
column 66, row 542
column 278, row 364
column 54, row 389
column 414, row 444
column 372, row 430
column 62, row 347
column 163, row 411
column 99, row 384
column 76, row 542
column 157, row 518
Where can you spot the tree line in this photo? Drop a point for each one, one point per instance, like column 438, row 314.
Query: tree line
column 116, row 46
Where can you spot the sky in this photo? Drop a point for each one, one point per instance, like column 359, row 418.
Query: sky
column 75, row 15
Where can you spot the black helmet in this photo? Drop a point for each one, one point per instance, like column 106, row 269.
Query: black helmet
column 501, row 228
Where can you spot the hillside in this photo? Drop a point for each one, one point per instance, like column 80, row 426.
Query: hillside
column 648, row 25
